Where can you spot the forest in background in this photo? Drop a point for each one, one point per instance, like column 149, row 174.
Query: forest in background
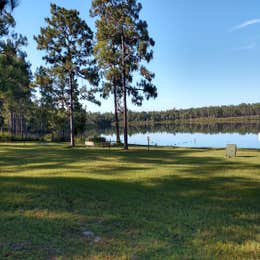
column 243, row 113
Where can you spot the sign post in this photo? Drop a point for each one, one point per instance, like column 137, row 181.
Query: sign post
column 231, row 151
column 148, row 143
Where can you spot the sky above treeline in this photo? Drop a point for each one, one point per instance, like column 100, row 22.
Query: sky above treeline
column 206, row 53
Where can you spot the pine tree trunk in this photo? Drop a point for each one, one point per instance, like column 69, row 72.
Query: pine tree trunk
column 15, row 125
column 21, row 126
column 63, row 134
column 10, row 122
column 72, row 137
column 116, row 117
column 125, row 123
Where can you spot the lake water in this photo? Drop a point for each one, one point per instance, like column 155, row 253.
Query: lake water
column 217, row 135
column 194, row 139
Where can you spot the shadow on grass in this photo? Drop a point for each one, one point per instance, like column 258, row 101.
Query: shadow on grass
column 169, row 217
column 174, row 216
column 248, row 156
column 51, row 157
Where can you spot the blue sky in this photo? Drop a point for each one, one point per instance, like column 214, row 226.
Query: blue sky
column 206, row 53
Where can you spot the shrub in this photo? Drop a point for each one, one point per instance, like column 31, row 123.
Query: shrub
column 97, row 139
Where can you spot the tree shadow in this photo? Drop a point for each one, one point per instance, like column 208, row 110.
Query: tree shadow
column 248, row 156
column 191, row 213
column 174, row 214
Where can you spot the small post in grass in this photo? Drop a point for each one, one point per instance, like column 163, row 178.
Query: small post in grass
column 148, row 143
column 231, row 151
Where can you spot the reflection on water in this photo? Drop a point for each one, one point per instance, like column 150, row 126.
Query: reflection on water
column 194, row 139
column 218, row 135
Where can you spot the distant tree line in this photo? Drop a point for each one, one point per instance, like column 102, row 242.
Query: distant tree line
column 174, row 128
column 203, row 114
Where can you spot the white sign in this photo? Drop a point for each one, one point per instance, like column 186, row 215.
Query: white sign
column 231, row 150
column 259, row 137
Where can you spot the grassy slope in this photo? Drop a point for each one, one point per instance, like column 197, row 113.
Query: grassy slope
column 163, row 204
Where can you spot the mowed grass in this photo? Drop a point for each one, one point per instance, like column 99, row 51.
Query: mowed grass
column 163, row 204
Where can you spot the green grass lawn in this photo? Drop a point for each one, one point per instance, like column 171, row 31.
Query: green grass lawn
column 163, row 204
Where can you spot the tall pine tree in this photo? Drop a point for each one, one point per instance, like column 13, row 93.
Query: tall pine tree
column 119, row 25
column 15, row 77
column 107, row 57
column 68, row 40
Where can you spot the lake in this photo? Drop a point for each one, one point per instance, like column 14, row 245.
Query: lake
column 196, row 135
column 193, row 139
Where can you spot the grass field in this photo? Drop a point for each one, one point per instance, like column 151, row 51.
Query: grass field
column 163, row 204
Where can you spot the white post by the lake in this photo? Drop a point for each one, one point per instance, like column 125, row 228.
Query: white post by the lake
column 148, row 143
column 259, row 137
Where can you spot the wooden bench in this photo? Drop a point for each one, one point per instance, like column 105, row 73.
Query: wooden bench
column 89, row 143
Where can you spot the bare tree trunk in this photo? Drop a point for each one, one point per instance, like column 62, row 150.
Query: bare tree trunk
column 15, row 132
column 41, row 134
column 72, row 137
column 63, row 134
column 15, row 124
column 116, row 117
column 125, row 122
column 10, row 122
column 21, row 125
column 26, row 130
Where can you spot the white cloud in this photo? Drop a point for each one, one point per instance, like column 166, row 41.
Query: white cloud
column 245, row 24
column 250, row 46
